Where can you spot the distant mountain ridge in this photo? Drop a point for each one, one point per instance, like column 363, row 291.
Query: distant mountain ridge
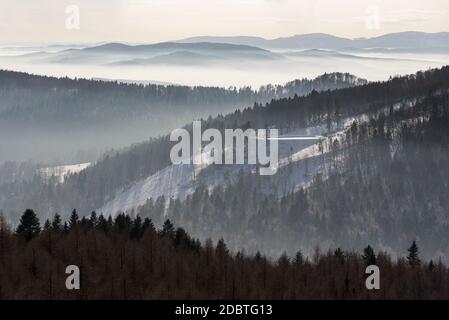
column 208, row 49
column 409, row 39
column 115, row 53
column 120, row 47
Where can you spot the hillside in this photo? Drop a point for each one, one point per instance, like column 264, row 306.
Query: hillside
column 66, row 120
column 365, row 128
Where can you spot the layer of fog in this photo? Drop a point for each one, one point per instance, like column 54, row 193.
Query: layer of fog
column 77, row 146
column 369, row 65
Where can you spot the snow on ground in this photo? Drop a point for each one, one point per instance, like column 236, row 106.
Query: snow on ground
column 63, row 171
column 299, row 149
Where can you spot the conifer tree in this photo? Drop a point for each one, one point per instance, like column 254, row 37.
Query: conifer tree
column 103, row 224
column 221, row 250
column 65, row 229
column 339, row 253
column 147, row 225
column 93, row 219
column 168, row 229
column 136, row 231
column 29, row 225
column 57, row 223
column 74, row 218
column 47, row 225
column 413, row 255
column 431, row 266
column 369, row 256
column 299, row 258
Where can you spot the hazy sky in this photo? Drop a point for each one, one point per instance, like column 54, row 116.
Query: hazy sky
column 160, row 20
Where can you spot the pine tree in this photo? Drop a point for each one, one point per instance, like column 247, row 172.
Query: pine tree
column 74, row 218
column 84, row 222
column 431, row 266
column 369, row 257
column 221, row 250
column 47, row 225
column 339, row 253
column 57, row 223
column 299, row 258
column 29, row 225
column 103, row 224
column 120, row 223
column 181, row 238
column 147, row 225
column 65, row 229
column 136, row 230
column 93, row 219
column 110, row 224
column 168, row 229
column 413, row 255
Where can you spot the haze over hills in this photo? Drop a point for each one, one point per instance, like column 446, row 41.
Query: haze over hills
column 55, row 119
column 122, row 53
column 405, row 40
column 236, row 61
column 365, row 129
column 376, row 135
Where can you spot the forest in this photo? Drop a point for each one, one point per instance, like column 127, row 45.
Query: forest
column 118, row 169
column 129, row 258
column 61, row 120
column 61, row 102
column 383, row 183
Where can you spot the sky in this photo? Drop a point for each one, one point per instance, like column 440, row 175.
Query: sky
column 146, row 21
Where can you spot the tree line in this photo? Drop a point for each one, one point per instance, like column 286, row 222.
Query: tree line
column 128, row 258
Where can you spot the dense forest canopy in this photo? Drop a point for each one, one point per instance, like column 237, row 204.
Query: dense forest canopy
column 129, row 258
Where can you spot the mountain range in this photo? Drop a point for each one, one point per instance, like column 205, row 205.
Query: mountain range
column 402, row 40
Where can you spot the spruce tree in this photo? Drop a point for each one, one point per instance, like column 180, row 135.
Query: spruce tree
column 29, row 225
column 413, row 255
column 74, row 218
column 136, row 230
column 57, row 223
column 66, row 229
column 431, row 266
column 168, row 229
column 93, row 219
column 221, row 250
column 339, row 253
column 299, row 258
column 47, row 225
column 103, row 224
column 369, row 257
column 147, row 225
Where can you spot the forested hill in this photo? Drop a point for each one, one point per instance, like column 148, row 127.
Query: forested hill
column 66, row 120
column 93, row 187
column 385, row 182
column 299, row 111
column 71, row 102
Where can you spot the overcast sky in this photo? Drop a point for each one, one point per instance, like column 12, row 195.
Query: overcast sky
column 162, row 20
